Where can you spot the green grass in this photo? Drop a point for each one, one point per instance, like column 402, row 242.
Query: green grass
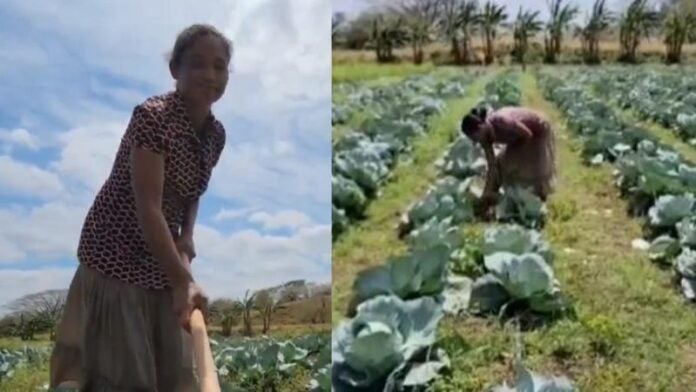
column 371, row 241
column 633, row 332
column 354, row 72
column 34, row 377
column 26, row 379
column 14, row 343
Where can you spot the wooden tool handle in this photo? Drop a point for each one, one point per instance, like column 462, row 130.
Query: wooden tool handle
column 205, row 367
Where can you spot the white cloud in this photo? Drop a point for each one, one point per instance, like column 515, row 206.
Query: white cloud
column 260, row 178
column 87, row 153
column 227, row 265
column 19, row 137
column 17, row 283
column 282, row 51
column 19, row 178
column 287, row 218
column 232, row 214
column 74, row 83
column 279, row 94
column 10, row 251
column 49, row 232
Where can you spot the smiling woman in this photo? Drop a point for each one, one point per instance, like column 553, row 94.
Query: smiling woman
column 132, row 293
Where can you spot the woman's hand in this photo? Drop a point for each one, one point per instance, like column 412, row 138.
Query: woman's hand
column 483, row 205
column 186, row 298
column 184, row 243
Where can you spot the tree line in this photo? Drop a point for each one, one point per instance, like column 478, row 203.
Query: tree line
column 416, row 23
column 41, row 312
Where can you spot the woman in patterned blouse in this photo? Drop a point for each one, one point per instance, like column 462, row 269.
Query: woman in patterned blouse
column 132, row 294
column 528, row 158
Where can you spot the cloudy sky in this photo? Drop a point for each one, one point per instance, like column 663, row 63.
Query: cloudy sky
column 71, row 73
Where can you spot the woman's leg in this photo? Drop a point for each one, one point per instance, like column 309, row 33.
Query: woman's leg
column 118, row 338
column 527, row 166
column 65, row 365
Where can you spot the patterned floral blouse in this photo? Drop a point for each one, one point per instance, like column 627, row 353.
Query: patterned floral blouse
column 112, row 241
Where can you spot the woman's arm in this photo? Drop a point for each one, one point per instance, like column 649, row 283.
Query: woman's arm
column 492, row 172
column 523, row 130
column 184, row 242
column 508, row 130
column 148, row 181
column 190, row 220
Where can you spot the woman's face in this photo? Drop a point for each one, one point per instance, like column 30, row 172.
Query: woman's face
column 202, row 72
column 478, row 132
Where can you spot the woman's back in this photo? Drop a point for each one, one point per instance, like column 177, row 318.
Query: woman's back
column 505, row 119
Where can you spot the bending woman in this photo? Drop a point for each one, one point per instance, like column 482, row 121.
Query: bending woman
column 528, row 156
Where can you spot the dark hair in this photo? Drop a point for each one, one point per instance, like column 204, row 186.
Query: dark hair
column 474, row 119
column 188, row 36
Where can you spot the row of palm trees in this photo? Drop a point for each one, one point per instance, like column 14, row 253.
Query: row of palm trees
column 418, row 22
column 228, row 313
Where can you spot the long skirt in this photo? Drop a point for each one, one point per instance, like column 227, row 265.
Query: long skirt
column 531, row 164
column 118, row 337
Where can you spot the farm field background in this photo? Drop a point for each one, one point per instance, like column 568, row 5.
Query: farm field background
column 293, row 355
column 612, row 250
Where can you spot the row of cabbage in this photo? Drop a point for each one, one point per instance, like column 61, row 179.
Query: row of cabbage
column 247, row 364
column 657, row 182
column 664, row 95
column 390, row 343
column 12, row 360
column 360, row 99
column 250, row 364
column 392, row 116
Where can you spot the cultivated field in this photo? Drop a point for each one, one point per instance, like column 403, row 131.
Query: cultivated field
column 592, row 288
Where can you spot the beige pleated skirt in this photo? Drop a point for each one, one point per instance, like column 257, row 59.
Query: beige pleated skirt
column 118, row 337
column 531, row 164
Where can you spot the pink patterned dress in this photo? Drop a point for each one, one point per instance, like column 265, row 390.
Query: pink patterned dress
column 528, row 158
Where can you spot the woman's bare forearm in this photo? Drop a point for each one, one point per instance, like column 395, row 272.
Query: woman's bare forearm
column 492, row 170
column 162, row 246
column 190, row 219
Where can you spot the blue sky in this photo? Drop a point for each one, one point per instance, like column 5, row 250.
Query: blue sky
column 71, row 73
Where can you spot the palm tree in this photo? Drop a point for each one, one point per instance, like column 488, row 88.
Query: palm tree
column 598, row 22
column 468, row 18
column 457, row 22
column 266, row 304
column 489, row 19
column 387, row 33
column 421, row 18
column 229, row 317
column 526, row 25
column 226, row 313
column 637, row 22
column 337, row 20
column 559, row 20
column 247, row 306
column 677, row 29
